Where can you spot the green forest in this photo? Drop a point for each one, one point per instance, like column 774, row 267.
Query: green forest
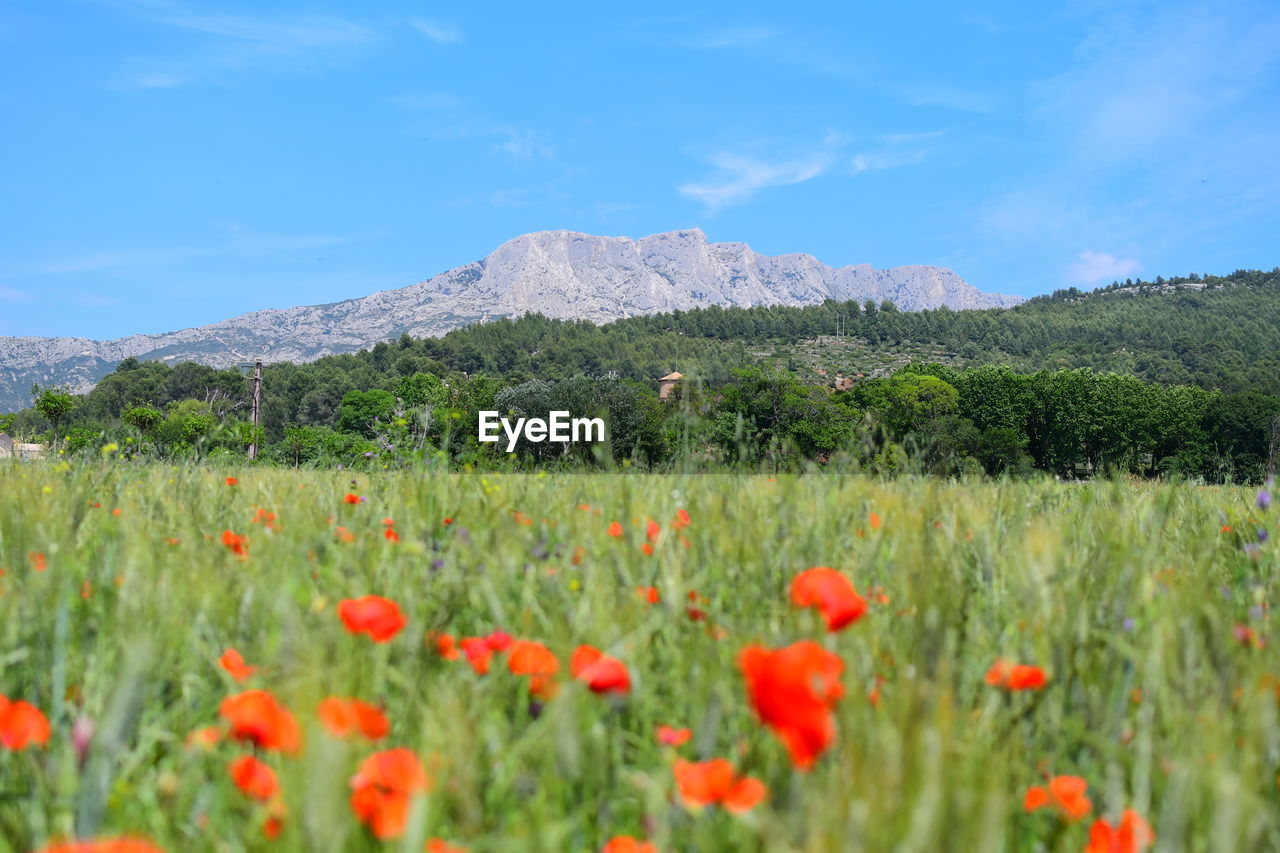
column 1170, row 377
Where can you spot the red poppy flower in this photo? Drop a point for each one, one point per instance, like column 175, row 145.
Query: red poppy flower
column 233, row 662
column 436, row 845
column 615, row 529
column 830, row 592
column 374, row 615
column 22, row 724
column 708, row 782
column 238, row 545
column 875, row 521
column 232, row 481
column 627, row 844
column 681, row 520
column 672, row 736
column 478, row 653
column 343, row 717
column 123, row 844
column 257, row 717
column 1016, row 676
column 652, row 530
column 603, row 674
column 350, row 498
column 793, row 691
column 696, row 614
column 526, row 657
column 499, row 641
column 649, row 594
column 1065, row 793
column 206, row 738
column 1130, row 835
column 254, row 777
column 381, row 789
column 391, row 536
column 444, row 644
column 37, row 560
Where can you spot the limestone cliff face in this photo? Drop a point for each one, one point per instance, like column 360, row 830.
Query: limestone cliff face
column 556, row 273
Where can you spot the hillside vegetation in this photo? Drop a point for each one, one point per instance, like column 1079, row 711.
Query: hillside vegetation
column 1151, row 378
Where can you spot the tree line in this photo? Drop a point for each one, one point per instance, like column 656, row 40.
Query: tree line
column 1171, row 376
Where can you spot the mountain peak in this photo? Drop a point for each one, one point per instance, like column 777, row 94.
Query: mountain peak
column 565, row 274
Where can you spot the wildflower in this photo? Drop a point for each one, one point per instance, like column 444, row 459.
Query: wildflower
column 37, row 560
column 652, row 530
column 627, row 844
column 350, row 498
column 647, row 549
column 648, row 593
column 206, row 738
column 374, row 615
column 82, row 738
column 238, row 545
column 1247, row 637
column 830, row 592
column 257, row 717
column 381, row 789
column 343, row 717
column 478, row 653
column 444, row 644
column 233, row 662
column 615, row 529
column 793, row 691
column 709, row 782
column 603, row 674
column 696, row 614
column 1015, row 676
column 436, row 845
column 875, row 521
column 120, row 844
column 254, row 777
column 1065, row 793
column 535, row 660
column 232, row 481
column 391, row 535
column 22, row 724
column 274, row 822
column 1130, row 835
column 499, row 641
column 1264, row 499
column 672, row 736
column 681, row 520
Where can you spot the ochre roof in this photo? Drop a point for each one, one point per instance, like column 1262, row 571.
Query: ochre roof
column 672, row 376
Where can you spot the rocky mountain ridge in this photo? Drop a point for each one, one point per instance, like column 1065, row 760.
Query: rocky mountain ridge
column 561, row 274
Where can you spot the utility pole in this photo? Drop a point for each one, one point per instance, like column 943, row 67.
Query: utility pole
column 257, row 408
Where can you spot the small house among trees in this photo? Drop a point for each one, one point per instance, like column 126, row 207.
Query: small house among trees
column 10, row 449
column 666, row 383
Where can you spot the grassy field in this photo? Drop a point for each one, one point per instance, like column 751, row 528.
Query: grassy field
column 1140, row 602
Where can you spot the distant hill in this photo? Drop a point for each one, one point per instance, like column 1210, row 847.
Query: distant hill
column 1214, row 331
column 561, row 274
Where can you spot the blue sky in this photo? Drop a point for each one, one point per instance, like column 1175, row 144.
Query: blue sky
column 168, row 163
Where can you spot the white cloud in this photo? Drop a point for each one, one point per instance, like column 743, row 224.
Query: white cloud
column 884, row 159
column 524, row 144
column 732, row 37
column 9, row 294
column 237, row 241
column 436, row 32
column 231, row 44
column 951, row 97
column 739, row 177
column 1093, row 268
